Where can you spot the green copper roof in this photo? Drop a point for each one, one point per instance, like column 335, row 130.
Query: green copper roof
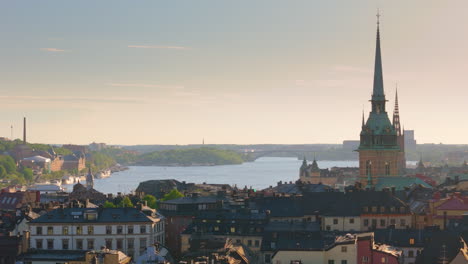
column 379, row 124
column 399, row 182
column 378, row 91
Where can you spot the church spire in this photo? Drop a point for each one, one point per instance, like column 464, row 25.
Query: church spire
column 396, row 115
column 378, row 91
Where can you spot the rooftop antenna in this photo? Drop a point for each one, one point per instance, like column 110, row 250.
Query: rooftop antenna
column 11, row 137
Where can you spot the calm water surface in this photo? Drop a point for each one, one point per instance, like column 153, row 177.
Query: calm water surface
column 259, row 174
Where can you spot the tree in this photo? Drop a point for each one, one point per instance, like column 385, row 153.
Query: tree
column 125, row 202
column 28, row 174
column 3, row 171
column 151, row 200
column 108, row 204
column 174, row 194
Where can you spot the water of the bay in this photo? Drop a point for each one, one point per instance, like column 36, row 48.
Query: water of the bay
column 258, row 174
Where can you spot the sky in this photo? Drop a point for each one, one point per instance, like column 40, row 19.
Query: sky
column 228, row 72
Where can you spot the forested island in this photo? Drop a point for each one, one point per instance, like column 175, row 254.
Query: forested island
column 190, row 157
column 201, row 156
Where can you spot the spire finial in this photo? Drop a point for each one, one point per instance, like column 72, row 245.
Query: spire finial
column 363, row 123
column 378, row 16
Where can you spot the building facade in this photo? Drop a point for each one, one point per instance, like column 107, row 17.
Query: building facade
column 129, row 230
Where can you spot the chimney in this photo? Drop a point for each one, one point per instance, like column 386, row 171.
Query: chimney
column 24, row 130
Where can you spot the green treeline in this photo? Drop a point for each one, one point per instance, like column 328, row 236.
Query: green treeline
column 176, row 157
column 188, row 157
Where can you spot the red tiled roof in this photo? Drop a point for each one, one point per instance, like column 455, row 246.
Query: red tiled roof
column 453, row 204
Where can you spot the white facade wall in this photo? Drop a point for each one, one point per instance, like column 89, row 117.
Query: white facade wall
column 341, row 223
column 347, row 252
column 154, row 232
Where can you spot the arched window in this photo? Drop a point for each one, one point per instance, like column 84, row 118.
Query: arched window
column 368, row 168
column 387, row 168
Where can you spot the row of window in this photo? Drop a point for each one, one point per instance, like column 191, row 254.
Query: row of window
column 383, row 209
column 90, row 244
column 383, row 222
column 256, row 243
column 90, row 230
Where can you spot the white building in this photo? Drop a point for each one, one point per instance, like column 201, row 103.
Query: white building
column 129, row 230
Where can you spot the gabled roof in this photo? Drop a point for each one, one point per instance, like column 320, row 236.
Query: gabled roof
column 453, row 204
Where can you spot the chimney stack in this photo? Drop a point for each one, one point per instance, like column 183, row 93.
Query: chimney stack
column 24, row 130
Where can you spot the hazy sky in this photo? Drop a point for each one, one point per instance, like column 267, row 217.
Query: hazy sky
column 244, row 71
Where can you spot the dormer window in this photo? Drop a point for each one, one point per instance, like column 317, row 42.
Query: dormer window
column 91, row 216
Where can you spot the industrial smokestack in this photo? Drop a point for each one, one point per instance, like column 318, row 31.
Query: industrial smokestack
column 24, row 130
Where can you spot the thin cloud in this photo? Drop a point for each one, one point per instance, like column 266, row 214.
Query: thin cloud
column 145, row 85
column 353, row 69
column 158, row 47
column 52, row 49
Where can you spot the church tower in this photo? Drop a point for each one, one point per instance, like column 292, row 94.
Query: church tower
column 379, row 152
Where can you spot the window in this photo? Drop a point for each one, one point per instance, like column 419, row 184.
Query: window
column 384, row 259
column 382, row 222
column 392, row 209
column 387, row 168
column 50, row 244
column 50, row 230
column 109, row 243
column 365, row 209
column 374, row 209
column 344, row 261
column 410, row 253
column 90, row 243
column 79, row 230
column 335, row 221
column 369, row 168
column 238, row 241
column 130, row 229
column 411, row 241
column 39, row 243
column 108, row 230
column 91, row 216
column 365, row 259
column 65, row 230
column 142, row 244
column 90, row 230
column 331, row 261
column 119, row 244
column 39, row 230
column 249, row 243
column 142, row 229
column 216, row 228
column 382, row 209
column 79, row 244
column 65, row 244
column 131, row 243
column 374, row 223
column 344, row 249
column 328, row 228
column 267, row 258
column 366, row 222
column 402, row 209
column 257, row 243
column 351, row 220
column 402, row 222
column 392, row 222
column 119, row 230
column 233, row 229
